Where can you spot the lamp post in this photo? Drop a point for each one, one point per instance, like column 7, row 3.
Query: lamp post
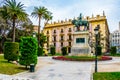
column 96, row 39
column 34, row 34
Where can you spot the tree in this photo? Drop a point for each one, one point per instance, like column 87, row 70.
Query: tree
column 40, row 13
column 43, row 39
column 11, row 51
column 28, row 31
column 48, row 17
column 113, row 50
column 28, row 50
column 15, row 12
column 4, row 26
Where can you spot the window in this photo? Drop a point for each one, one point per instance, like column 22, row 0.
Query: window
column 80, row 40
column 47, row 44
column 54, row 31
column 54, row 38
column 55, row 44
column 70, row 38
column 69, row 30
column 69, row 43
column 48, row 39
column 61, row 37
column 47, row 32
column 61, row 30
column 61, row 44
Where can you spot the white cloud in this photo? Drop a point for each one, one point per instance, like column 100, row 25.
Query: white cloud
column 75, row 7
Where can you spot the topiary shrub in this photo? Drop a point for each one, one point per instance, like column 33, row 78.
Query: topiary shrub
column 99, row 50
column 28, row 51
column 64, row 51
column 40, row 51
column 52, row 50
column 11, row 51
column 113, row 50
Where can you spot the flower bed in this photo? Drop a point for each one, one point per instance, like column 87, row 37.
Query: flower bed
column 106, row 58
column 79, row 58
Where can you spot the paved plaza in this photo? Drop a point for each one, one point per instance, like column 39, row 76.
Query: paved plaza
column 49, row 69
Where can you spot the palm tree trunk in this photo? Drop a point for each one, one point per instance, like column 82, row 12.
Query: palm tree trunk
column 13, row 30
column 39, row 31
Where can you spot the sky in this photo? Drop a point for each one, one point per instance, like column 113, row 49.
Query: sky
column 68, row 9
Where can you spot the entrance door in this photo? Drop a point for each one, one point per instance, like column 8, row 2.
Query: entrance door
column 69, row 49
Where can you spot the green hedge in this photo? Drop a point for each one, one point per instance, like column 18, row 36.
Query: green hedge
column 113, row 50
column 99, row 50
column 28, row 50
column 64, row 51
column 52, row 50
column 11, row 51
column 40, row 51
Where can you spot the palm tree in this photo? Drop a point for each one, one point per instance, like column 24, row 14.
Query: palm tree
column 48, row 17
column 16, row 12
column 4, row 15
column 39, row 12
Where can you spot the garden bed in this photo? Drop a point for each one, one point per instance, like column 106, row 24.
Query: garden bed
column 81, row 58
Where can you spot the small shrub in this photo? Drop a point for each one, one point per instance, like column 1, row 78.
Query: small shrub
column 113, row 50
column 11, row 51
column 64, row 51
column 28, row 50
column 99, row 50
column 52, row 50
column 40, row 51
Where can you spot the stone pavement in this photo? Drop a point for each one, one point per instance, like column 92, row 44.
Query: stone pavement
column 49, row 69
column 61, row 70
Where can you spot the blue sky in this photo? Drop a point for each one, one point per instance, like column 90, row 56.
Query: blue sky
column 69, row 9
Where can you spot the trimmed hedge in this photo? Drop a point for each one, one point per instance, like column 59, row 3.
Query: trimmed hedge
column 28, row 50
column 99, row 49
column 40, row 51
column 11, row 51
column 52, row 50
column 113, row 50
column 64, row 51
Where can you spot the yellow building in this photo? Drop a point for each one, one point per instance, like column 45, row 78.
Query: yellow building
column 60, row 33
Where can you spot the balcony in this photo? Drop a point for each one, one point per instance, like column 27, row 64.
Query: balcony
column 62, row 33
column 54, row 40
column 69, row 39
column 47, row 35
column 54, row 34
column 61, row 40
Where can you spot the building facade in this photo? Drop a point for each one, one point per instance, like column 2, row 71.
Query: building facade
column 60, row 34
column 115, row 39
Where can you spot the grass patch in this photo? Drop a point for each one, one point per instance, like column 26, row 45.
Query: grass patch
column 116, row 55
column 106, row 76
column 9, row 68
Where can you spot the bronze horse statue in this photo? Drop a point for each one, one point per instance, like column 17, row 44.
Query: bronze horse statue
column 78, row 23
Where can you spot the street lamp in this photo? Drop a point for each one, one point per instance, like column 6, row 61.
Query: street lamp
column 96, row 30
column 34, row 34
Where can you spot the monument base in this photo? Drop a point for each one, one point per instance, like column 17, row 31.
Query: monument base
column 80, row 46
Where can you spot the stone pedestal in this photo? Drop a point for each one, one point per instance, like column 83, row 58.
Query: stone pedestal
column 80, row 45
